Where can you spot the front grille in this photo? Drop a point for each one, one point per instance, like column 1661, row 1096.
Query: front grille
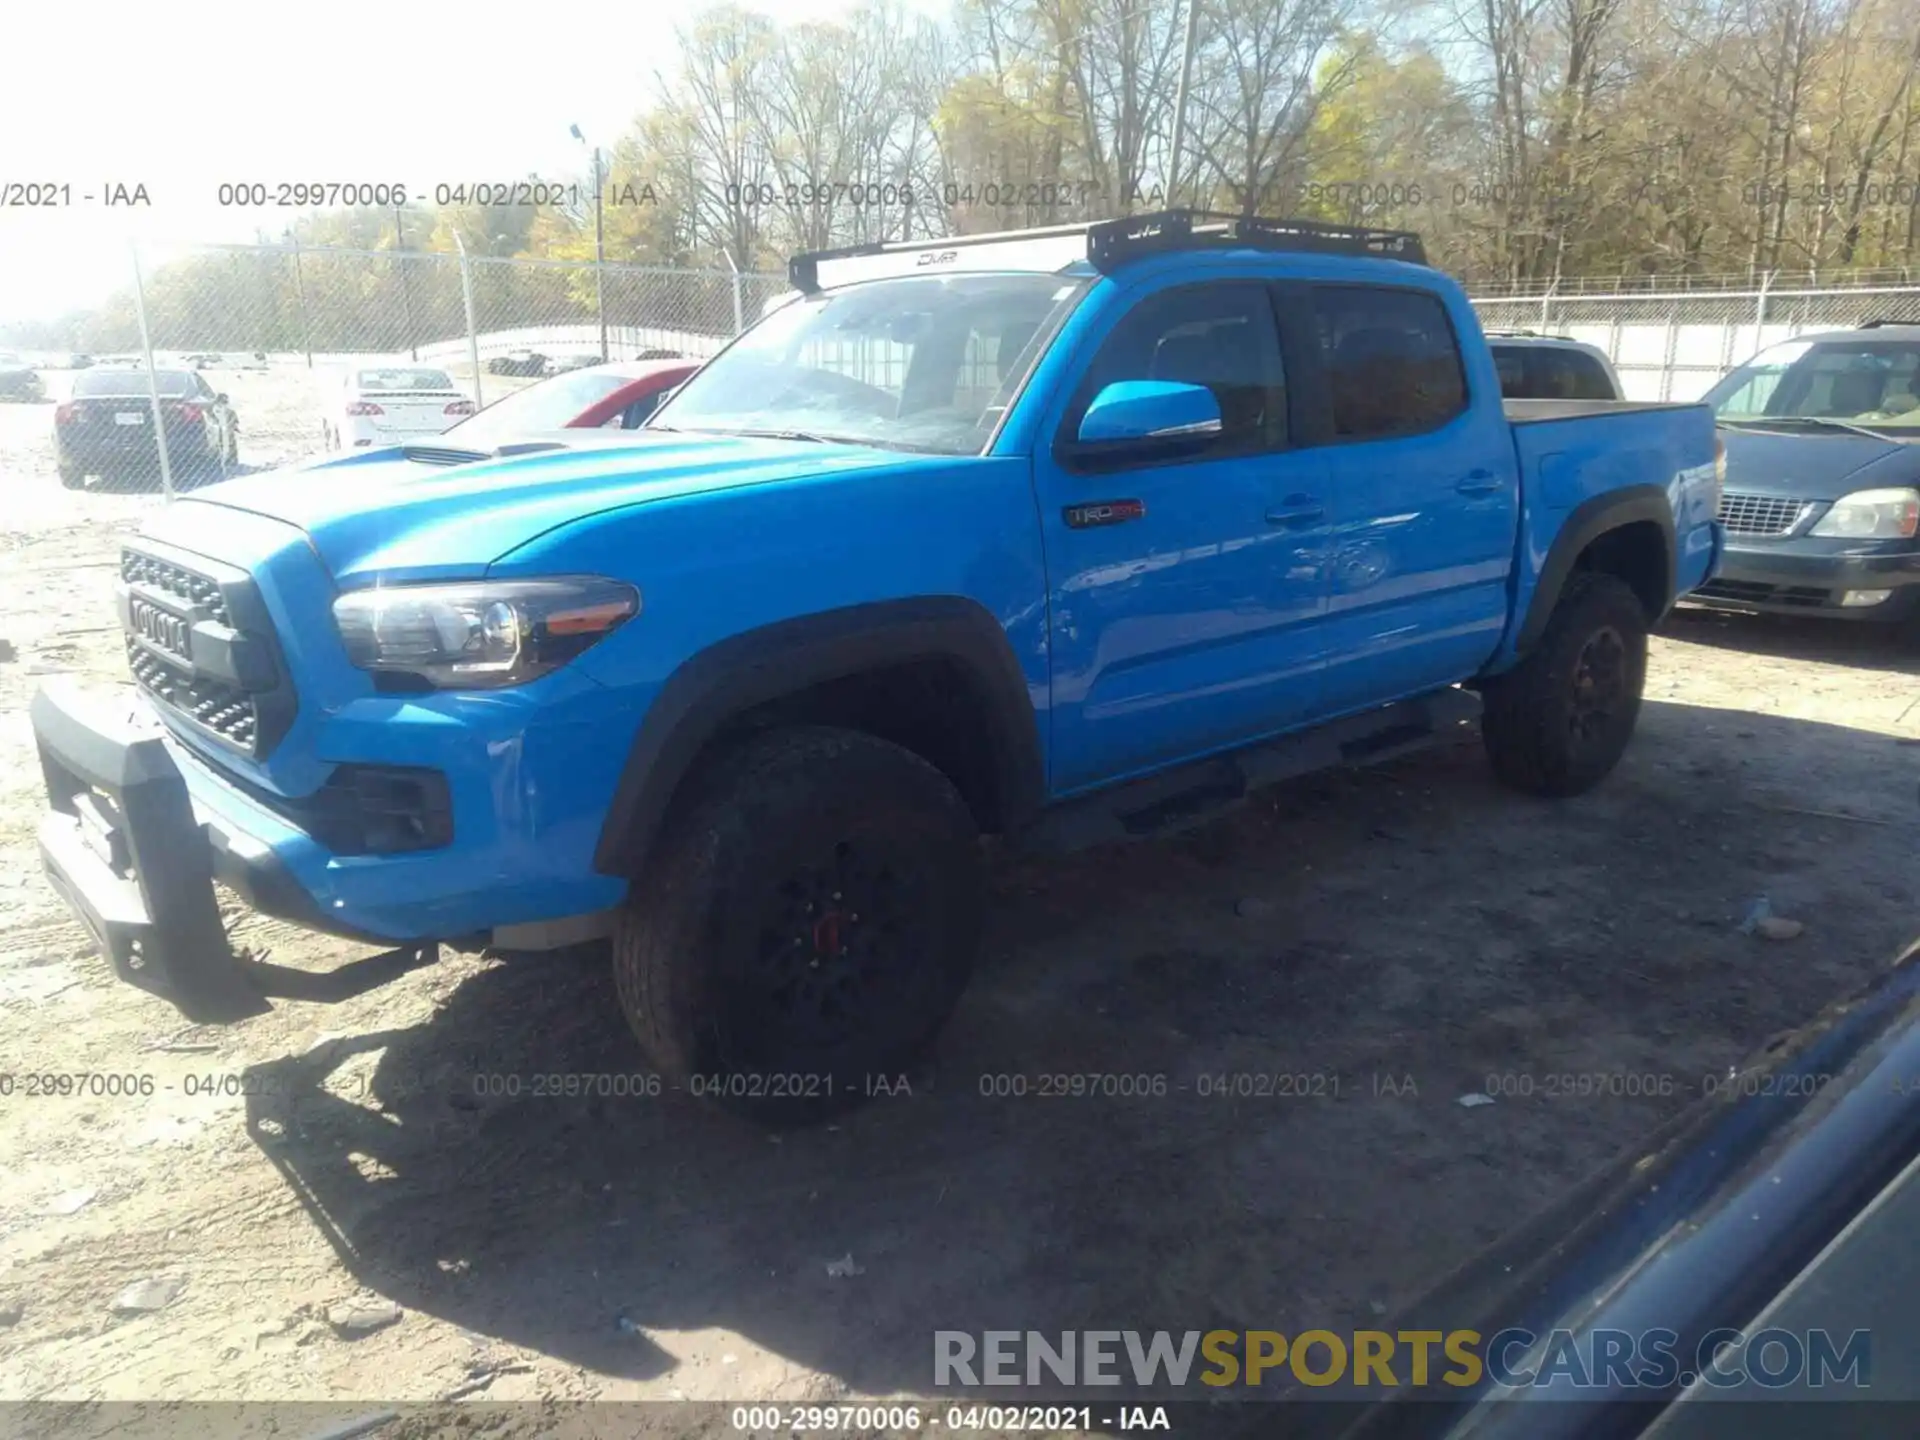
column 201, row 645
column 185, row 586
column 1760, row 514
column 1753, row 593
column 227, row 711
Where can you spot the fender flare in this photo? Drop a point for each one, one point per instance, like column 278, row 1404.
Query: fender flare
column 1584, row 524
column 757, row 666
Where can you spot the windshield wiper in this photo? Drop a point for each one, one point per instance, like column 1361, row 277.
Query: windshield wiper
column 1818, row 422
column 818, row 438
column 807, row 435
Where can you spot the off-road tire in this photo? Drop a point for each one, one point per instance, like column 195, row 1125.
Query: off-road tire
column 805, row 925
column 1557, row 723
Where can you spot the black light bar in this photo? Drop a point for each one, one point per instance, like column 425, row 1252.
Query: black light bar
column 1103, row 244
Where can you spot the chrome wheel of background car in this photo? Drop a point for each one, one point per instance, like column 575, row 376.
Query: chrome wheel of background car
column 1599, row 683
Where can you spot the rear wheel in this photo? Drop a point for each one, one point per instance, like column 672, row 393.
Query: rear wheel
column 1559, row 722
column 807, row 923
column 72, row 476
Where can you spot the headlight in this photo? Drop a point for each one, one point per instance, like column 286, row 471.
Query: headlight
column 1872, row 515
column 480, row 635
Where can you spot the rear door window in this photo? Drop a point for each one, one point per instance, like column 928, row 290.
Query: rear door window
column 1392, row 360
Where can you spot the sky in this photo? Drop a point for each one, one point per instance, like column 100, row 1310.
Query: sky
column 181, row 98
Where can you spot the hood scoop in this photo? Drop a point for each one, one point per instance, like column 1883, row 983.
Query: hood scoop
column 455, row 455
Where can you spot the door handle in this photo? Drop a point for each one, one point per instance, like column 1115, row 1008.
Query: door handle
column 1479, row 482
column 1297, row 510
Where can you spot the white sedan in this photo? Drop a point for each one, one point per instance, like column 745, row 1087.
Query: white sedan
column 388, row 404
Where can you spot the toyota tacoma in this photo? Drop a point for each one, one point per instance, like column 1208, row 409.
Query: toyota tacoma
column 1061, row 536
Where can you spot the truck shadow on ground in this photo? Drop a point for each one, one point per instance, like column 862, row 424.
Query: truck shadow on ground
column 1863, row 645
column 1412, row 921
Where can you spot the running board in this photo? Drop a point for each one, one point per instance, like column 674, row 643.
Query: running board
column 1193, row 794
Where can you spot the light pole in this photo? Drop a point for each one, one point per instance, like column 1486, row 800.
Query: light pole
column 599, row 245
column 1180, row 105
column 406, row 286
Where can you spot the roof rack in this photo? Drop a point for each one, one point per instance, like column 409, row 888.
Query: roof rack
column 1103, row 244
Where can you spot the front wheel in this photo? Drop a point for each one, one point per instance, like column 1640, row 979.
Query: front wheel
column 805, row 926
column 1557, row 723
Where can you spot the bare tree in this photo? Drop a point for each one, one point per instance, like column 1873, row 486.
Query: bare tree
column 724, row 60
column 1259, row 82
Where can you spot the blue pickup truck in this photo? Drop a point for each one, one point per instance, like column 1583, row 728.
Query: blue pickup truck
column 1061, row 536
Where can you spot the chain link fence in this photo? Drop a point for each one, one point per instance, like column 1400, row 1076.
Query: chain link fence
column 275, row 327
column 1672, row 345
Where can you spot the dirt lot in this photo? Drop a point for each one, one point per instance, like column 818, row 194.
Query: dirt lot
column 1413, row 921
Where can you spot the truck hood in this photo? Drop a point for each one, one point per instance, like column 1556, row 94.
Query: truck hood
column 381, row 515
column 1816, row 465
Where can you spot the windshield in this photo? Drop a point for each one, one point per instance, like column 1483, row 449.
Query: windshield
column 550, row 405
column 133, row 382
column 908, row 364
column 402, row 380
column 1864, row 382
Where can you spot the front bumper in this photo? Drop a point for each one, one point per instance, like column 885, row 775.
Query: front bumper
column 1809, row 577
column 139, row 829
column 123, row 846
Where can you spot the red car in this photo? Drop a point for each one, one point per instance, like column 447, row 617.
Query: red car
column 619, row 395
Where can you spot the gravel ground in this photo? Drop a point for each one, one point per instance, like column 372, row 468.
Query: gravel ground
column 1413, row 922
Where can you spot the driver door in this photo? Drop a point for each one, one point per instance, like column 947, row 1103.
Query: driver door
column 1187, row 594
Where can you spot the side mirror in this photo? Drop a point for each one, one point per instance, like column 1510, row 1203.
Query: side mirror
column 1150, row 416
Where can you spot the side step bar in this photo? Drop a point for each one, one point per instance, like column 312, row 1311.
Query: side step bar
column 1193, row 794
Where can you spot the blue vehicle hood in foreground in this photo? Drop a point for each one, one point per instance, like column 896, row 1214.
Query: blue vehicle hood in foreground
column 382, row 516
column 1815, row 465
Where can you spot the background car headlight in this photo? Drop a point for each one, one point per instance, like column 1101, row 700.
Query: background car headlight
column 1872, row 515
column 480, row 635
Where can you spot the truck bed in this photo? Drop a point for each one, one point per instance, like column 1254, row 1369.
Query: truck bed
column 1657, row 454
